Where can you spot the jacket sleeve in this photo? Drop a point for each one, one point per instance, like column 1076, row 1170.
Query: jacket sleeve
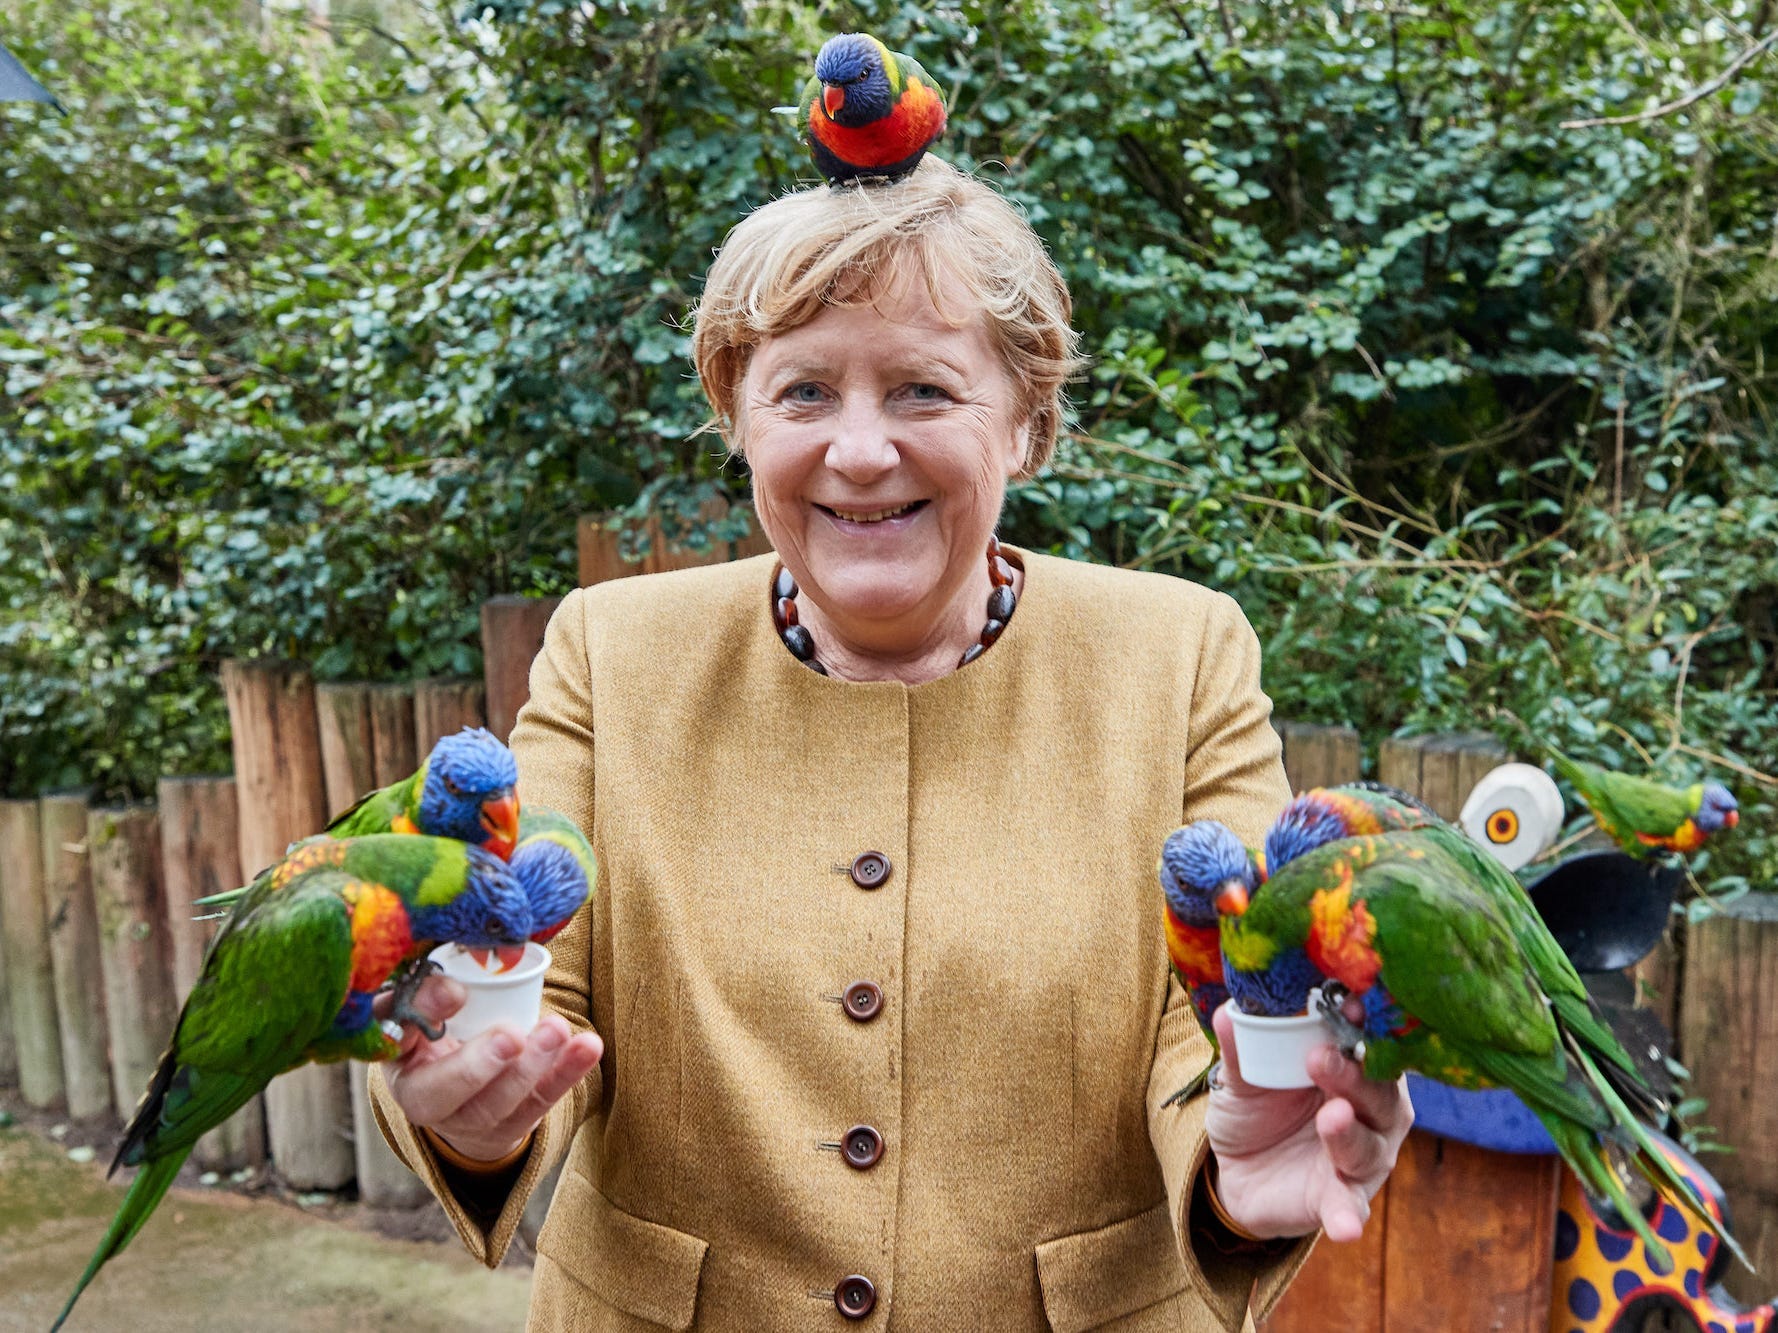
column 1233, row 772
column 553, row 740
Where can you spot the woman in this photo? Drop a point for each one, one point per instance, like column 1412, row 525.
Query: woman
column 877, row 945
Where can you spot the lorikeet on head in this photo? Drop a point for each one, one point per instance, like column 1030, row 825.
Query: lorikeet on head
column 554, row 865
column 1460, row 980
column 289, row 980
column 869, row 112
column 1646, row 818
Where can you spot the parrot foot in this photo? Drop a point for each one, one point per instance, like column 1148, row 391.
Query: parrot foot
column 1347, row 1034
column 405, row 988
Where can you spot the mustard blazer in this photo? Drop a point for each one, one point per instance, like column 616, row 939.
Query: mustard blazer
column 978, row 1131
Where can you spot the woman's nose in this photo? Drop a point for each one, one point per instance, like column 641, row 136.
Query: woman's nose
column 861, row 449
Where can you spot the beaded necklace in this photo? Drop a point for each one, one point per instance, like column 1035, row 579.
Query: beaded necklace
column 796, row 636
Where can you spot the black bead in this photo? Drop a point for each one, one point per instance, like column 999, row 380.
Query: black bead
column 1000, row 604
column 783, row 586
column 800, row 642
column 991, row 631
column 974, row 651
column 816, row 667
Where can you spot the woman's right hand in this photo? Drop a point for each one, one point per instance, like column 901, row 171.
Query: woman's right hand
column 485, row 1096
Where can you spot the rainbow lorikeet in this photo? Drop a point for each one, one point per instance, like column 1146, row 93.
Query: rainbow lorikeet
column 289, row 980
column 1646, row 818
column 1320, row 815
column 1459, row 980
column 869, row 111
column 554, row 865
column 1200, row 865
column 463, row 789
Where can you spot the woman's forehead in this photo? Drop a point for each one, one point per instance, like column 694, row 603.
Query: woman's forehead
column 899, row 321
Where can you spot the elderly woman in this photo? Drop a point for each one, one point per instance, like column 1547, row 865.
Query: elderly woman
column 871, row 1017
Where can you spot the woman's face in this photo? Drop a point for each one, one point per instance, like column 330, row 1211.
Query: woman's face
column 881, row 440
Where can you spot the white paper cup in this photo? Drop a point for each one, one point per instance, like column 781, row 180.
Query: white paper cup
column 1274, row 1052
column 514, row 998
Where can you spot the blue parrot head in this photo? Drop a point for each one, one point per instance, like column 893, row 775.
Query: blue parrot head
column 553, row 880
column 467, row 792
column 1205, row 868
column 1717, row 810
column 1306, row 823
column 855, row 82
column 491, row 911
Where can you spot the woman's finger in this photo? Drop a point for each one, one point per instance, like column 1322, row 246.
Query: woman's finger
column 1384, row 1107
column 554, row 1060
column 1229, row 1077
column 432, row 1090
column 1359, row 1154
column 437, row 998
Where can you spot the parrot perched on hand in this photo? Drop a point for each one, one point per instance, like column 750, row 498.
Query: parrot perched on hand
column 1460, row 980
column 869, row 112
column 289, row 979
column 463, row 789
column 1646, row 818
column 554, row 865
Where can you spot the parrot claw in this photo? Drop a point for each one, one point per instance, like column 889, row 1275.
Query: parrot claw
column 405, row 988
column 391, row 1029
column 1347, row 1034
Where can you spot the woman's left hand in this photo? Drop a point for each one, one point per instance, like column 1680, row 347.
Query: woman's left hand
column 1289, row 1162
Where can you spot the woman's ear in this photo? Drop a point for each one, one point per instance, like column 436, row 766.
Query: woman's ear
column 1018, row 449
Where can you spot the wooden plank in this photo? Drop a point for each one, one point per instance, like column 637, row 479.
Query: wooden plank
column 73, row 954
column 443, row 708
column 392, row 733
column 201, row 855
column 1478, row 755
column 1657, row 976
column 1728, row 1013
column 1319, row 756
column 1471, row 1239
column 348, row 764
column 281, row 796
column 512, row 635
column 600, row 548
column 24, row 935
column 349, row 768
column 135, row 952
column 1441, row 759
column 1398, row 763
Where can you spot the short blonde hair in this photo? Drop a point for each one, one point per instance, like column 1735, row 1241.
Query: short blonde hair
column 848, row 245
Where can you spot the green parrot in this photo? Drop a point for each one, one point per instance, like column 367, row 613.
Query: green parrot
column 1459, row 980
column 1646, row 818
column 289, row 979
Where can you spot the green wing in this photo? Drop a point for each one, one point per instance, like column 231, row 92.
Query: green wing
column 374, row 812
column 539, row 821
column 271, row 984
column 1626, row 806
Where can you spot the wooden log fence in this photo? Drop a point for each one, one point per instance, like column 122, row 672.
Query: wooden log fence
column 24, row 935
column 512, row 635
column 74, row 954
column 135, row 953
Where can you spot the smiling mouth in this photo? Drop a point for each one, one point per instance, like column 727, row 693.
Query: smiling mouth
column 872, row 515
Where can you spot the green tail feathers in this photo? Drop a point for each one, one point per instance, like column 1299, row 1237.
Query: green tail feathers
column 138, row 1206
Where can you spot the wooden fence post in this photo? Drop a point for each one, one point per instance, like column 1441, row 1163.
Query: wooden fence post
column 1319, row 756
column 512, row 634
column 135, row 955
column 443, row 708
column 201, row 855
column 24, row 935
column 601, row 556
column 277, row 750
column 392, row 733
column 9, row 1046
column 349, row 769
column 74, row 955
column 1728, row 1013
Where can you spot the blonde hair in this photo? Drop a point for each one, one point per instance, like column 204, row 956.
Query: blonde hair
column 849, row 245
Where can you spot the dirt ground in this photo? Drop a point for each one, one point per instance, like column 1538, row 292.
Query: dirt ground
column 215, row 1259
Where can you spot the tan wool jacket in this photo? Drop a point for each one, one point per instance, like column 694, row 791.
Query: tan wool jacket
column 979, row 1130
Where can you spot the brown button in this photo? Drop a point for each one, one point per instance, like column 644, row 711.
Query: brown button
column 863, row 1147
column 870, row 870
column 855, row 1297
column 863, row 1001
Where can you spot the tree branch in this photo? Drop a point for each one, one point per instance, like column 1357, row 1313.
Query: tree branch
column 1702, row 91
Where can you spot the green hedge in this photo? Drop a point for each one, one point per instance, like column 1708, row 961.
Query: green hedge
column 312, row 341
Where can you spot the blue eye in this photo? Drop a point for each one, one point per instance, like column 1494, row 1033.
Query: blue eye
column 927, row 393
column 804, row 392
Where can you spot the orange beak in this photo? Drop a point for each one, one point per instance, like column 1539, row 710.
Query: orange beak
column 1232, row 900
column 508, row 954
column 500, row 817
column 833, row 97
column 1731, row 819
